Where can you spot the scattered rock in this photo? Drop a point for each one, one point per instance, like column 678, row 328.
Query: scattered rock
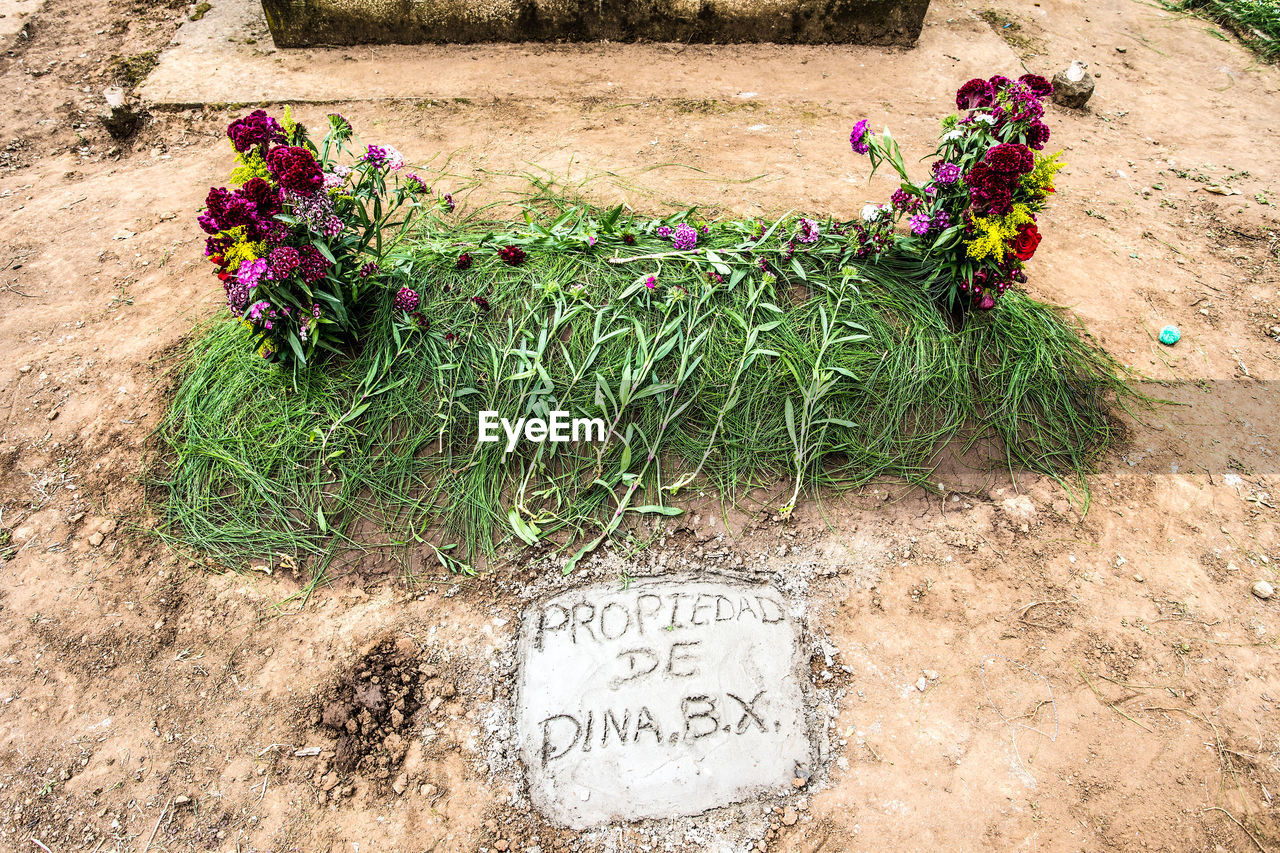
column 922, row 684
column 1020, row 510
column 26, row 368
column 501, row 844
column 931, row 674
column 790, row 816
column 95, row 539
column 401, row 784
column 1263, row 590
column 1072, row 87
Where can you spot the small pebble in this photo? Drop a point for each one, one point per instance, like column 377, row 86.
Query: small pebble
column 1263, row 590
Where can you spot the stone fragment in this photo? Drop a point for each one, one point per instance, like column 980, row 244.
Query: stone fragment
column 1072, row 87
column 1263, row 590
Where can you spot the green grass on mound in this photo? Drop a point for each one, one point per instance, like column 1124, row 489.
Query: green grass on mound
column 1256, row 22
column 833, row 374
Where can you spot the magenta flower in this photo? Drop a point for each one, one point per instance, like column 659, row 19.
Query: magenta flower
column 407, row 300
column 946, row 173
column 685, row 237
column 858, row 138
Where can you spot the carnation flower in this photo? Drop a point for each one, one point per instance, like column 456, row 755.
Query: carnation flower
column 664, row 231
column 407, row 300
column 295, row 169
column 312, row 265
column 941, row 220
column 251, row 272
column 480, row 302
column 415, row 184
column 975, row 94
column 463, row 262
column 684, row 238
column 984, row 119
column 946, row 173
column 858, row 138
column 383, row 156
column 651, row 282
column 904, row 201
column 870, row 212
column 513, row 255
column 629, row 239
column 447, row 203
column 809, row 231
column 920, row 224
column 368, row 269
column 255, row 129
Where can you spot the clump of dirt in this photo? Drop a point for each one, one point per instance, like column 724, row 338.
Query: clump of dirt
column 373, row 710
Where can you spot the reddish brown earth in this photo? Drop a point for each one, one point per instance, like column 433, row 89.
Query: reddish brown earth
column 1099, row 680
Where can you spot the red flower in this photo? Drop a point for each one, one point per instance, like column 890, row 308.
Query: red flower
column 513, row 255
column 1024, row 245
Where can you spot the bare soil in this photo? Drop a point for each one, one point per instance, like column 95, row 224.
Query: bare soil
column 1006, row 670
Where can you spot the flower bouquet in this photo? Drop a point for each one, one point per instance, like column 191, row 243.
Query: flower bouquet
column 974, row 219
column 300, row 244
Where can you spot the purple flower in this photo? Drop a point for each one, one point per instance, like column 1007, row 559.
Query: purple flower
column 369, row 269
column 809, row 231
column 284, row 260
column 941, row 220
column 513, row 255
column 295, row 169
column 415, row 184
column 920, row 224
column 383, row 156
column 1037, row 135
column 463, row 262
column 407, row 300
column 904, row 201
column 651, row 282
column 1041, row 87
column 311, row 264
column 684, row 238
column 946, row 173
column 257, row 128
column 858, row 138
column 447, row 202
column 974, row 94
column 664, row 231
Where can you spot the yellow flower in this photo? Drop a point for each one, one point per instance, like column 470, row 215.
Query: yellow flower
column 996, row 232
column 1039, row 180
column 241, row 250
column 250, row 165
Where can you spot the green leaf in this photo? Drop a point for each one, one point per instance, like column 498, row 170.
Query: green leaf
column 650, row 509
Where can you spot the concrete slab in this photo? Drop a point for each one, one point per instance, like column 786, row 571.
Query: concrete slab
column 663, row 700
column 227, row 58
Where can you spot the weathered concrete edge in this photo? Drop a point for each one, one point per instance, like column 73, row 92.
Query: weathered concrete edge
column 308, row 23
column 814, row 730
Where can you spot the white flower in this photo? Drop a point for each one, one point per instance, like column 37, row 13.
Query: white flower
column 984, row 119
column 870, row 213
column 953, row 135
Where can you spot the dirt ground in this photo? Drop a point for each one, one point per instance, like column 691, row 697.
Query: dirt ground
column 1001, row 668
